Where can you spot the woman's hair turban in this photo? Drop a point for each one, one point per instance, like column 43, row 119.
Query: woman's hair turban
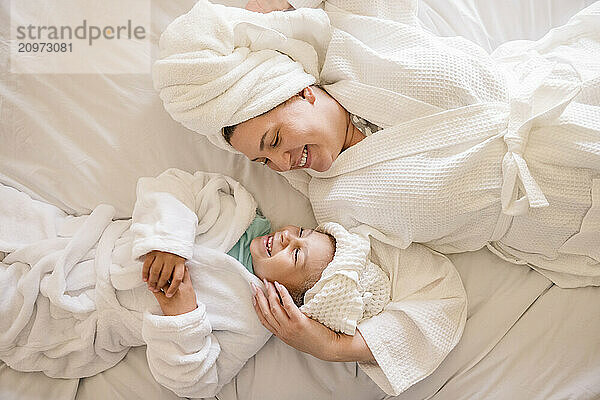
column 219, row 66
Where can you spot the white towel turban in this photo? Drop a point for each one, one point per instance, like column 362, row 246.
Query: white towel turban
column 351, row 288
column 219, row 66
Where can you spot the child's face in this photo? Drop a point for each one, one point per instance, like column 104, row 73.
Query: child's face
column 292, row 257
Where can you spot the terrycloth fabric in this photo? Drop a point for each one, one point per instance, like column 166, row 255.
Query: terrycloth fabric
column 241, row 249
column 220, row 66
column 73, row 301
column 351, row 288
column 83, row 285
column 498, row 150
column 408, row 304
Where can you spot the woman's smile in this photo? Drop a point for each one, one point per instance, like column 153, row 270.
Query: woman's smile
column 304, row 160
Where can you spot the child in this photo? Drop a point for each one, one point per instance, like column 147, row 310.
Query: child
column 75, row 301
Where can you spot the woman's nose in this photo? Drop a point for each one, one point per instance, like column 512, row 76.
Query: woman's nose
column 282, row 161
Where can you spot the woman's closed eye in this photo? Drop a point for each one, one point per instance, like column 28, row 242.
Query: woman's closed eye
column 276, row 140
column 297, row 250
column 274, row 144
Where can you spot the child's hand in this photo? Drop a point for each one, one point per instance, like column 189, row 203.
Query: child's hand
column 160, row 268
column 183, row 301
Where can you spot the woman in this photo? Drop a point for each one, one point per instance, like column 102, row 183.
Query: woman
column 458, row 149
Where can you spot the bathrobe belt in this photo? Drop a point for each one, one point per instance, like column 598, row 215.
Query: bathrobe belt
column 541, row 90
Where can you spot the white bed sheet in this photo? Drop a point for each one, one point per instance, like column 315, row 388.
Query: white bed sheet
column 80, row 140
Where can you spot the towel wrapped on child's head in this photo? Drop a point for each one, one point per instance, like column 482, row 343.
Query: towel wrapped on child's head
column 351, row 288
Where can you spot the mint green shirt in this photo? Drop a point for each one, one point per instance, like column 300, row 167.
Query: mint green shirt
column 241, row 250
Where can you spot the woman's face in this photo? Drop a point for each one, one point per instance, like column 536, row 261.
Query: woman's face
column 308, row 131
column 291, row 256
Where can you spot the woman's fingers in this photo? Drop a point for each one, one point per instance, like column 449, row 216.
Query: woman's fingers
column 275, row 304
column 259, row 312
column 147, row 264
column 263, row 304
column 178, row 274
column 289, row 306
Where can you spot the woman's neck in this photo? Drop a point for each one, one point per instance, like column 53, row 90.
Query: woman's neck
column 353, row 134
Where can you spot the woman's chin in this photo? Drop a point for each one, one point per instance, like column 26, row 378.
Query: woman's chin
column 322, row 165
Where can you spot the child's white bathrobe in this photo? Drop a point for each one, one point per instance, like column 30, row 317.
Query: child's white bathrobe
column 73, row 301
column 500, row 150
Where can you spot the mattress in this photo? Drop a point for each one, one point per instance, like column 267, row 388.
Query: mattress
column 80, row 140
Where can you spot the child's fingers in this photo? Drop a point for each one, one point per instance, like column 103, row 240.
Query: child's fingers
column 154, row 275
column 160, row 296
column 289, row 306
column 178, row 274
column 147, row 264
column 186, row 275
column 165, row 274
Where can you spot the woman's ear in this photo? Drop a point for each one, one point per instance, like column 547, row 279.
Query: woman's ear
column 308, row 94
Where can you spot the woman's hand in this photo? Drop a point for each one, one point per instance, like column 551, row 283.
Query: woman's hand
column 160, row 268
column 289, row 324
column 183, row 301
column 266, row 6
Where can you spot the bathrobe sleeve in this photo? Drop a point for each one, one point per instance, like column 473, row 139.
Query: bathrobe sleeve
column 176, row 209
column 423, row 322
column 195, row 354
column 182, row 352
column 199, row 217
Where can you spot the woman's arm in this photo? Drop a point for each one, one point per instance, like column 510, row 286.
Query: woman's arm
column 285, row 320
column 266, row 6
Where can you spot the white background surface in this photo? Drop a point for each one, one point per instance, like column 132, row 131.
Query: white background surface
column 81, row 140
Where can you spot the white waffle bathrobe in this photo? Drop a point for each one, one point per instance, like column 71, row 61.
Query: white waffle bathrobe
column 500, row 150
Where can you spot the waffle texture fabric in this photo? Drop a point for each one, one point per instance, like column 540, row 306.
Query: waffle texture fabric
column 499, row 150
column 350, row 288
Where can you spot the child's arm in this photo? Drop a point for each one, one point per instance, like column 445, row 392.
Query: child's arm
column 185, row 352
column 174, row 208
